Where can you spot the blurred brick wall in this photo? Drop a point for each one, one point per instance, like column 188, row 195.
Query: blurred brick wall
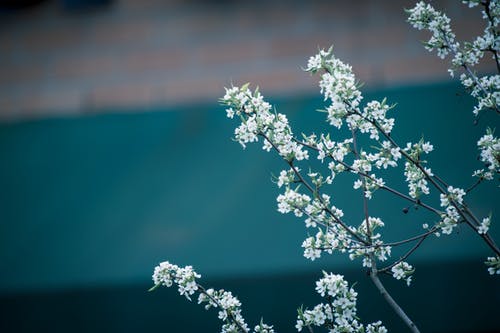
column 138, row 54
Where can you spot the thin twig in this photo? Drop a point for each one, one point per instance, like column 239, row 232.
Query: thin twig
column 406, row 255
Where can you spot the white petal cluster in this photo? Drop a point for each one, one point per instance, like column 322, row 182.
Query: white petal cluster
column 454, row 193
column 387, row 156
column 229, row 309
column 338, row 85
column 165, row 274
column 335, row 238
column 489, row 147
column 402, row 270
column 292, row 201
column 493, row 264
column 369, row 184
column 415, row 177
column 424, row 16
column 257, row 119
column 263, row 328
column 484, row 226
column 451, row 216
column 484, row 89
column 336, row 150
column 286, row 177
column 375, row 112
column 377, row 249
column 339, row 314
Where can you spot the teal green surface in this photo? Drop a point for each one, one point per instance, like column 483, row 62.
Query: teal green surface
column 89, row 205
column 103, row 198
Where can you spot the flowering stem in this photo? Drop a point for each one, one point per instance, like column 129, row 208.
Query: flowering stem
column 384, row 187
column 230, row 313
column 467, row 69
column 486, row 5
column 461, row 210
column 365, row 199
column 395, row 306
column 315, row 193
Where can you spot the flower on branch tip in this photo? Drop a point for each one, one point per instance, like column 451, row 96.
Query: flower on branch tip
column 166, row 274
column 484, row 226
column 489, row 147
column 403, row 270
column 424, row 16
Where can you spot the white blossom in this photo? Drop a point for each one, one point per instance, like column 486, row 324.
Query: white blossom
column 493, row 264
column 484, row 226
column 484, row 89
column 489, row 147
column 185, row 277
column 340, row 313
column 402, row 270
column 263, row 328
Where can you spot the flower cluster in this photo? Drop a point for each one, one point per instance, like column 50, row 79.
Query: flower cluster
column 402, row 270
column 387, row 156
column 416, row 174
column 230, row 311
column 493, row 264
column 263, row 328
column 338, row 85
column 369, row 184
column 334, row 236
column 375, row 113
column 294, row 201
column 424, row 16
column 485, row 89
column 484, row 226
column 489, row 146
column 258, row 120
column 338, row 314
column 375, row 247
column 450, row 202
column 165, row 274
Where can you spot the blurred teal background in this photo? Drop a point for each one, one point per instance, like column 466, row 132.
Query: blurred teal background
column 89, row 205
